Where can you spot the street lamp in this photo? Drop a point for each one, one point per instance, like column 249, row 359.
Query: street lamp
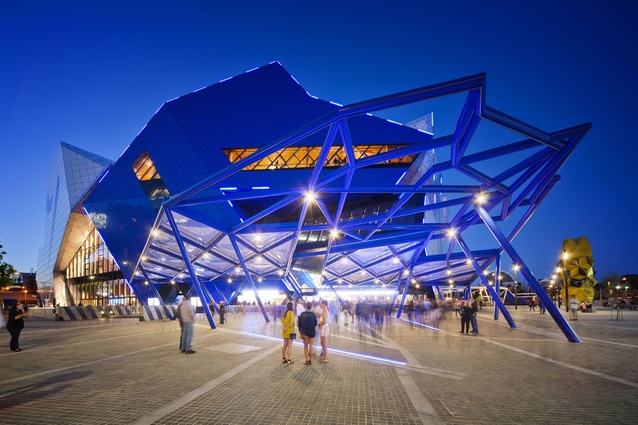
column 566, row 279
column 516, row 266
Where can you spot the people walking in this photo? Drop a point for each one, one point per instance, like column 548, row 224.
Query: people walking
column 288, row 321
column 186, row 313
column 307, row 324
column 15, row 324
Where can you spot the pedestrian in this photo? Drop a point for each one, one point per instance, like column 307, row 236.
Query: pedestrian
column 307, row 324
column 411, row 309
column 186, row 313
column 15, row 324
column 541, row 307
column 181, row 327
column 299, row 309
column 222, row 312
column 573, row 307
column 466, row 317
column 473, row 318
column 323, row 327
column 288, row 333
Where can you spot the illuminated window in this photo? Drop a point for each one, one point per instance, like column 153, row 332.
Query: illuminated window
column 144, row 168
column 150, row 179
column 306, row 156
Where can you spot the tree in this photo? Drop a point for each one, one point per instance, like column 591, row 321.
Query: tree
column 6, row 270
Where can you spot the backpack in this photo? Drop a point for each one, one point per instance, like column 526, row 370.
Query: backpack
column 178, row 313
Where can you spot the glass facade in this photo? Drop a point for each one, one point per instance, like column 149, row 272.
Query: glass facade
column 93, row 277
column 306, row 156
column 72, row 175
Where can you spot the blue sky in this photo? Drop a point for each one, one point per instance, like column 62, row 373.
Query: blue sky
column 92, row 74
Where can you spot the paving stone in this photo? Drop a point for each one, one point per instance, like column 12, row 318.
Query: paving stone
column 125, row 372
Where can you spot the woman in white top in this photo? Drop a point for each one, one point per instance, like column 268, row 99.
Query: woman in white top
column 323, row 326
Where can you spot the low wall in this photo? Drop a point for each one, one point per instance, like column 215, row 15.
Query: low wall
column 158, row 312
column 42, row 312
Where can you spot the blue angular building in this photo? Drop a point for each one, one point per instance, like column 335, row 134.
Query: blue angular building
column 252, row 183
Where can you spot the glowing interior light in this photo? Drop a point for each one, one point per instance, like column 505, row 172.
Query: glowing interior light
column 394, row 122
column 334, row 233
column 339, row 280
column 310, row 196
column 335, row 103
column 260, row 279
column 295, row 79
column 230, row 203
column 280, row 272
column 481, row 198
column 451, row 232
column 449, row 272
column 226, row 79
column 226, row 189
column 261, row 187
column 237, row 269
column 229, row 280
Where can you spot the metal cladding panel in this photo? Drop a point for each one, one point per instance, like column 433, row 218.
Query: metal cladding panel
column 248, row 110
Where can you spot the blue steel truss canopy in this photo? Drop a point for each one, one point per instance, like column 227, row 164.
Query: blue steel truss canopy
column 253, row 181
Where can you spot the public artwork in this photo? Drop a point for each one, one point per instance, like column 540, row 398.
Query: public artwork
column 578, row 268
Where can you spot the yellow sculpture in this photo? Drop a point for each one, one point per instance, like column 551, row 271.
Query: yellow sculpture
column 577, row 268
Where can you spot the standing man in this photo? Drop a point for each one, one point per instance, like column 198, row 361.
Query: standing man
column 299, row 309
column 186, row 313
column 222, row 312
column 323, row 326
column 473, row 318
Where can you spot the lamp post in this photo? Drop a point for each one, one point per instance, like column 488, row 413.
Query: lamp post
column 566, row 279
column 516, row 266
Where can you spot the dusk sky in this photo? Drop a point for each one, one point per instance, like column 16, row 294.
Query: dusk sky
column 92, row 74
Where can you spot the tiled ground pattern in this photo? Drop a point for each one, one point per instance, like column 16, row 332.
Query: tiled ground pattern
column 124, row 372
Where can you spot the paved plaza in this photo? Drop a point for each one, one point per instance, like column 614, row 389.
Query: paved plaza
column 123, row 371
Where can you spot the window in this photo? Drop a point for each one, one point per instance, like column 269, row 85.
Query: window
column 150, row 180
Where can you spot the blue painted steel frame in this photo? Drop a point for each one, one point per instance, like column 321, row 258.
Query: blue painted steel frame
column 194, row 279
column 531, row 280
column 559, row 146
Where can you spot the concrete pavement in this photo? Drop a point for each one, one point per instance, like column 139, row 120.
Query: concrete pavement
column 121, row 371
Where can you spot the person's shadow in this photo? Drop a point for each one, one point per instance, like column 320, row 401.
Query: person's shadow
column 39, row 390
